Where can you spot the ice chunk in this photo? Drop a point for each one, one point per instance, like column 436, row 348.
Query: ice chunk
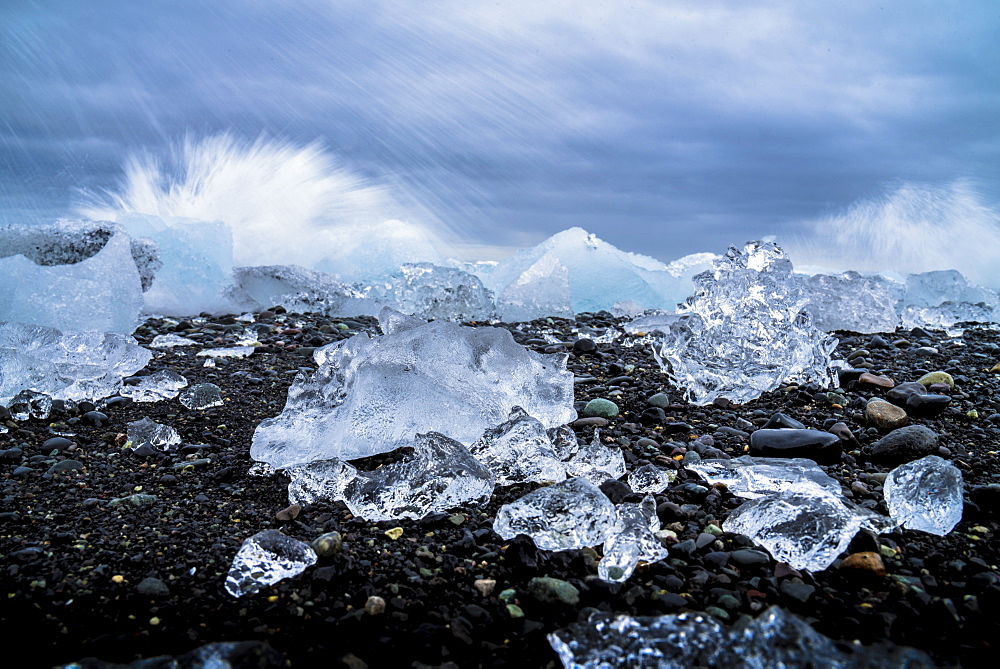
column 651, row 479
column 146, row 432
column 266, row 558
column 947, row 314
column 441, row 475
column 171, row 341
column 942, row 298
column 373, row 253
column 318, row 480
column 371, row 395
column 226, row 352
column 29, row 404
column 202, row 396
column 163, row 385
column 298, row 290
column 539, row 291
column 744, row 331
column 752, row 477
column 925, row 495
column 634, row 541
column 567, row 515
column 564, row 442
column 850, row 301
column 432, row 292
column 71, row 365
column 596, row 462
column 519, row 450
column 654, row 321
column 101, row 293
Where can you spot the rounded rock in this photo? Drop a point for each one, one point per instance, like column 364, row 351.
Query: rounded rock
column 600, row 408
column 553, row 591
column 885, row 416
column 905, row 444
column 936, row 377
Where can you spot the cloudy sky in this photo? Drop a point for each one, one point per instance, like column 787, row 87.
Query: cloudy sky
column 664, row 127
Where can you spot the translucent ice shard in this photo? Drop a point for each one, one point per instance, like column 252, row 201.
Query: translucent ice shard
column 318, row 480
column 100, row 293
column 744, row 332
column 567, row 515
column 163, row 385
column 441, row 475
column 850, row 301
column 227, row 352
column 541, row 290
column 442, row 293
column 266, row 558
column 297, row 289
column 71, row 365
column 634, row 541
column 596, row 462
column 146, row 432
column 752, row 477
column 202, row 396
column 30, row 404
column 519, row 450
column 170, row 341
column 942, row 298
column 925, row 495
column 372, row 394
column 650, row 479
column 655, row 321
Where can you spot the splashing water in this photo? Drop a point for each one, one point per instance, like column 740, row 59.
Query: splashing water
column 285, row 203
column 911, row 228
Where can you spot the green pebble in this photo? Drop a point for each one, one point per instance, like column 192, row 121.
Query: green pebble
column 661, row 400
column 600, row 408
column 936, row 377
column 716, row 612
column 515, row 611
column 327, row 544
column 137, row 500
column 553, row 590
column 507, row 595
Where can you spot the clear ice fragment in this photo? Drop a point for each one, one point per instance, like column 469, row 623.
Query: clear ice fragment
column 925, row 495
column 163, row 385
column 171, row 341
column 941, row 298
column 634, row 541
column 596, row 462
column 564, row 442
column 752, row 477
column 202, row 396
column 226, row 352
column 372, row 394
column 541, row 290
column 266, row 558
column 744, row 331
column 518, row 450
column 29, row 404
column 650, row 479
column 317, row 480
column 850, row 301
column 442, row 293
column 262, row 470
column 567, row 515
column 146, row 432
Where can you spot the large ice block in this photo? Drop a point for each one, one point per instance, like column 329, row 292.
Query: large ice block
column 744, row 332
column 633, row 542
column 941, row 298
column 560, row 517
column 853, row 302
column 99, row 293
column 69, row 366
column 297, row 289
column 373, row 253
column 540, row 291
column 266, row 558
column 752, row 477
column 519, row 450
column 373, row 394
column 431, row 291
column 925, row 495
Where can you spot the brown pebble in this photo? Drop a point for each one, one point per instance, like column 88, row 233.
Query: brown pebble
column 375, row 605
column 290, row 513
column 865, row 561
column 869, row 379
column 844, row 432
column 995, row 368
column 885, row 416
column 593, row 421
column 485, row 586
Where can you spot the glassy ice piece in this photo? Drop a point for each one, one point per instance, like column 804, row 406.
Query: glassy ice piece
column 155, row 435
column 372, row 394
column 65, row 366
column 564, row 442
column 939, row 299
column 925, row 495
column 163, row 385
column 432, row 292
column 227, row 352
column 560, row 517
column 261, row 469
column 202, row 396
column 947, row 314
column 752, row 477
column 801, row 526
column 518, row 450
column 656, row 321
column 850, row 301
column 745, row 332
column 298, row 290
column 651, row 479
column 29, row 404
column 318, row 480
column 539, row 291
column 171, row 341
column 266, row 558
column 100, row 293
column 634, row 541
column 441, row 475
column 596, row 462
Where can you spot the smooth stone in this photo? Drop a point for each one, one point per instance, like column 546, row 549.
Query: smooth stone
column 600, row 408
column 865, row 561
column 94, row 418
column 553, row 591
column 327, row 544
column 152, row 587
column 843, row 432
column 927, row 406
column 878, row 342
column 939, row 388
column 60, row 443
column 885, row 416
column 936, row 377
column 822, row 447
column 65, row 466
column 749, row 556
column 799, row 591
column 905, row 444
column 781, row 421
column 660, row 400
column 590, row 422
column 903, row 391
column 653, row 416
column 869, row 379
column 584, row 346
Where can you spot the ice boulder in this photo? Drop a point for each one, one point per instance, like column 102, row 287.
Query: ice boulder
column 853, row 302
column 926, row 495
column 71, row 365
column 519, row 450
column 942, row 298
column 540, row 291
column 431, row 291
column 297, row 289
column 745, row 332
column 374, row 394
column 101, row 292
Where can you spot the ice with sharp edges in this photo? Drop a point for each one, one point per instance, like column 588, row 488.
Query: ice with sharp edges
column 315, row 481
column 634, row 541
column 297, row 289
column 163, row 385
column 541, row 290
column 101, row 293
column 226, row 352
column 650, row 479
column 519, row 450
column 266, row 558
column 853, row 302
column 171, row 341
column 571, row 514
column 596, row 462
column 752, row 477
column 925, row 495
column 197, row 258
column 65, row 365
column 30, row 404
column 653, row 321
column 744, row 332
column 442, row 293
column 150, row 433
column 202, row 396
column 944, row 297
column 776, row 638
column 372, row 394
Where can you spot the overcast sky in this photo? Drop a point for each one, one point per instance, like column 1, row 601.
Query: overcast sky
column 664, row 127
